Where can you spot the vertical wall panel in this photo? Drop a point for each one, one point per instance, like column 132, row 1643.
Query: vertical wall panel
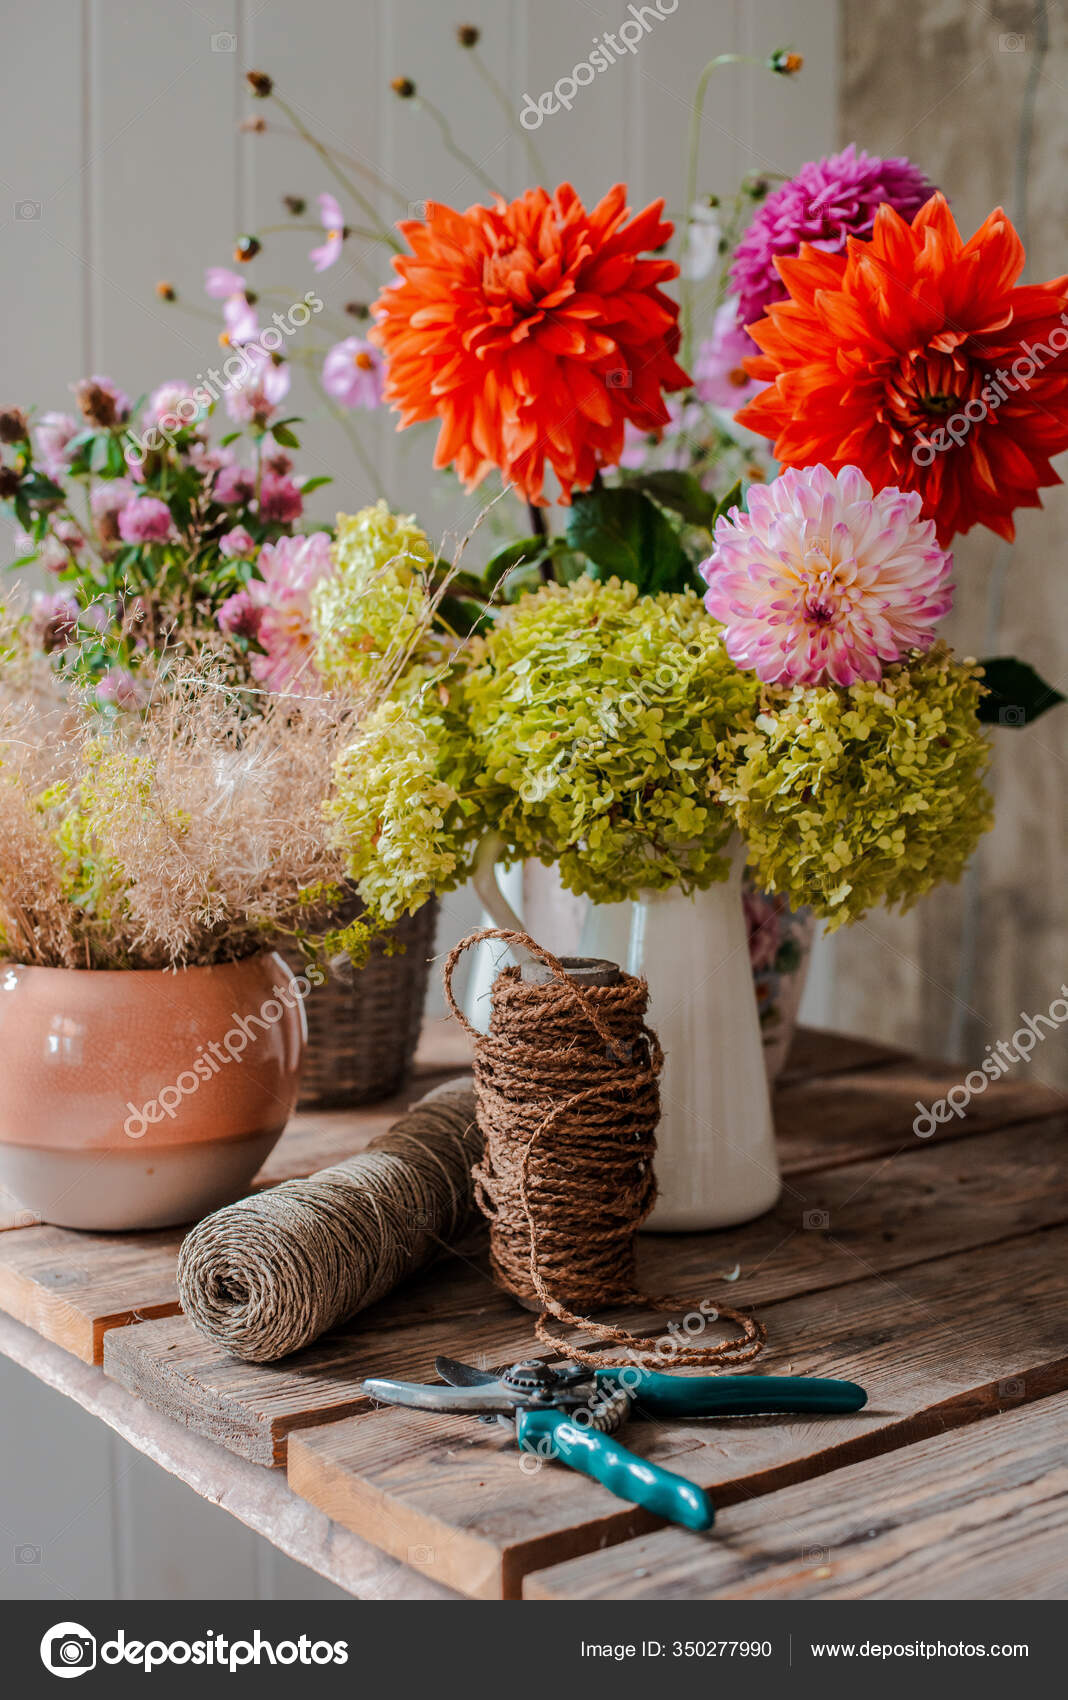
column 121, row 121
column 160, row 174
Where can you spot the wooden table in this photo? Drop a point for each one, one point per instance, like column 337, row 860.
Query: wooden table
column 929, row 1270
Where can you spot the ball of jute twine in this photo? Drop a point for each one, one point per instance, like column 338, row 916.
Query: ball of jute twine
column 269, row 1274
column 567, row 1101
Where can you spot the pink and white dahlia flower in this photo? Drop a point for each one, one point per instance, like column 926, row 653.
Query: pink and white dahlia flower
column 824, row 582
column 291, row 569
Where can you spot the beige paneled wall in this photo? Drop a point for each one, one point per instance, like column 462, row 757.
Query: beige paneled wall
column 120, row 165
column 945, row 83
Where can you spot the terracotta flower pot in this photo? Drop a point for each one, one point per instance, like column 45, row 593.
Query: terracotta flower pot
column 142, row 1099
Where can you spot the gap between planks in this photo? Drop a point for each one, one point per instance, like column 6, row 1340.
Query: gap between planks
column 883, row 1219
column 945, row 1343
column 976, row 1514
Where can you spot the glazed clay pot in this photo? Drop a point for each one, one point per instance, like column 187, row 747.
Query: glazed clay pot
column 141, row 1098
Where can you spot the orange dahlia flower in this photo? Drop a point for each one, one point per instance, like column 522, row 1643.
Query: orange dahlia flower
column 917, row 358
column 534, row 331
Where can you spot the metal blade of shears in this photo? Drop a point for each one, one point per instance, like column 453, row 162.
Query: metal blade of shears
column 491, row 1398
column 463, row 1375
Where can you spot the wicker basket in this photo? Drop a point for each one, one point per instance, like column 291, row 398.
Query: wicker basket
column 363, row 1024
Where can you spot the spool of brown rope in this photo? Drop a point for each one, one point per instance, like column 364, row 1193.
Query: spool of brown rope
column 269, row 1274
column 567, row 1103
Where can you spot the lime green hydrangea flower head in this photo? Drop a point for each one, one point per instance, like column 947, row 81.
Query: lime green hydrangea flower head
column 399, row 800
column 848, row 797
column 597, row 713
column 374, row 604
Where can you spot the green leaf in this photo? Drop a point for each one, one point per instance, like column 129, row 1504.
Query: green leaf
column 282, row 434
column 733, row 499
column 1017, row 695
column 230, row 437
column 311, row 484
column 681, row 492
column 462, row 615
column 625, row 535
column 518, row 554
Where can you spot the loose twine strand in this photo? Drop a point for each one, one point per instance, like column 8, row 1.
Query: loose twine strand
column 567, row 1101
column 269, row 1274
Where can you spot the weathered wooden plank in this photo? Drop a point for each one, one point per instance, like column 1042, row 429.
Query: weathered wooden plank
column 939, row 1345
column 869, row 1108
column 864, row 1218
column 258, row 1498
column 980, row 1514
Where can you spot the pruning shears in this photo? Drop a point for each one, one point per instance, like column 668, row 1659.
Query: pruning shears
column 571, row 1413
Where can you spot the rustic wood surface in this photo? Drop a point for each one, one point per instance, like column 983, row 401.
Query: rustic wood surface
column 951, row 1518
column 880, row 1216
column 937, row 1346
column 74, row 1287
column 927, row 1269
column 258, row 1498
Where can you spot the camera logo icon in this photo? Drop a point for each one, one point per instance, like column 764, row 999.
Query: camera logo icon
column 224, row 42
column 619, row 378
column 68, row 1649
column 818, row 1220
column 1013, row 715
column 27, row 211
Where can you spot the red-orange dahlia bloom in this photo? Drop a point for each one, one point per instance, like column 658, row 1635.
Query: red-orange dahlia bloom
column 534, row 331
column 915, row 357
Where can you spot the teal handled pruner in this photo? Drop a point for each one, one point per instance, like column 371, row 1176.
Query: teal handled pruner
column 571, row 1413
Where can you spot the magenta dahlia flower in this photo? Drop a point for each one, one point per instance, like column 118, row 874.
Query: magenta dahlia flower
column 822, row 581
column 827, row 201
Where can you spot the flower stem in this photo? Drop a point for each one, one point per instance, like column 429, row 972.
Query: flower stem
column 452, row 146
column 384, row 234
column 692, row 156
column 500, row 95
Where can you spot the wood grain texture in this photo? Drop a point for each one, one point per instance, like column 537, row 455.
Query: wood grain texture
column 875, row 1216
column 258, row 1498
column 937, row 1346
column 980, row 1514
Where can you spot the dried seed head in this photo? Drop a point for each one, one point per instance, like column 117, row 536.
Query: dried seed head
column 13, row 425
column 295, row 204
column 246, row 248
column 403, row 87
column 166, row 291
column 468, row 35
column 260, row 83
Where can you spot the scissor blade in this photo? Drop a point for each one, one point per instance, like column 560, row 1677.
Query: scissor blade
column 463, row 1375
column 473, row 1401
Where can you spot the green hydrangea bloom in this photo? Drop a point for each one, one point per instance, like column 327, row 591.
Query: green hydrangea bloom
column 848, row 797
column 597, row 714
column 400, row 802
column 375, row 604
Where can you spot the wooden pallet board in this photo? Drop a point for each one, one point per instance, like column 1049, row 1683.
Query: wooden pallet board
column 936, row 1346
column 882, row 1216
column 978, row 1515
column 74, row 1287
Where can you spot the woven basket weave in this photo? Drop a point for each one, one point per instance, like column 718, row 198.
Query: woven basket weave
column 363, row 1024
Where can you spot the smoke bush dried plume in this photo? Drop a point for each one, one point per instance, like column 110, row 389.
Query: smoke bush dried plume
column 194, row 834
